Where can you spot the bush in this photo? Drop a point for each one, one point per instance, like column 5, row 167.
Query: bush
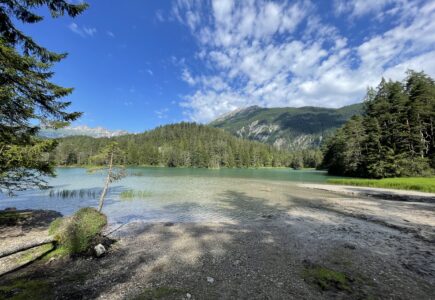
column 75, row 234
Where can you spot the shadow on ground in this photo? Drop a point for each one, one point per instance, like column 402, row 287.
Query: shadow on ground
column 299, row 248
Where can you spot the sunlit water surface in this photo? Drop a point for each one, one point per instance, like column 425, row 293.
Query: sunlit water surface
column 176, row 195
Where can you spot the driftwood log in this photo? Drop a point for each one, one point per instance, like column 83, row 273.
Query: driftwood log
column 25, row 246
column 22, row 258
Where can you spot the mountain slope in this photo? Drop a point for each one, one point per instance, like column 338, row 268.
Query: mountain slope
column 286, row 128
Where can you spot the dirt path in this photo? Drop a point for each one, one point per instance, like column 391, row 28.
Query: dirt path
column 285, row 242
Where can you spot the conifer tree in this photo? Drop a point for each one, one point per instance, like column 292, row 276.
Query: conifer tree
column 396, row 133
column 27, row 94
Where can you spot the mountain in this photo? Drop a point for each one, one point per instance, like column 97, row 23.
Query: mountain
column 287, row 127
column 80, row 130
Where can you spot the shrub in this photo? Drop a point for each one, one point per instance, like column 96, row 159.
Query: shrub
column 75, row 234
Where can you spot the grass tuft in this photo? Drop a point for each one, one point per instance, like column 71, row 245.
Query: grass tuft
column 76, row 233
column 327, row 279
column 422, row 184
column 134, row 194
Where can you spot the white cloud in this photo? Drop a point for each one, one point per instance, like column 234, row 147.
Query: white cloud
column 187, row 77
column 360, row 7
column 83, row 31
column 162, row 113
column 110, row 34
column 159, row 16
column 283, row 54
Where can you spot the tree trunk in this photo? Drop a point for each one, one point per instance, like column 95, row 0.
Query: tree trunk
column 106, row 185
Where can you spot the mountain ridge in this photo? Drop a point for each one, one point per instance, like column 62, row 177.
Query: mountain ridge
column 289, row 128
column 81, row 130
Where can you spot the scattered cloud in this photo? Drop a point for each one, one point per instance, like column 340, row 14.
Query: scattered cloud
column 284, row 53
column 162, row 113
column 110, row 34
column 83, row 31
column 149, row 71
column 159, row 16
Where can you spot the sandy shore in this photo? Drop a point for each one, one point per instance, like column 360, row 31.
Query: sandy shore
column 285, row 242
column 393, row 194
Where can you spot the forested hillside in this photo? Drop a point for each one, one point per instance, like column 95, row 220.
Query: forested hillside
column 182, row 145
column 394, row 137
column 286, row 128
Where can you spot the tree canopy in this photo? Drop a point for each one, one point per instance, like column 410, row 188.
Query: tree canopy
column 395, row 137
column 182, row 145
column 28, row 98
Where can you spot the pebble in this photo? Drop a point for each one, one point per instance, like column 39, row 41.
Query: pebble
column 210, row 279
column 188, row 296
column 99, row 250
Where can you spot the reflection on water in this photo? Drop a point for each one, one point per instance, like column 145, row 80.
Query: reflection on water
column 177, row 195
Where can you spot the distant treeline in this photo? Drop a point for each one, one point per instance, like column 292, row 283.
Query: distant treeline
column 395, row 136
column 183, row 145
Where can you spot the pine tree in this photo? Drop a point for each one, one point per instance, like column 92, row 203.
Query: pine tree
column 395, row 136
column 27, row 94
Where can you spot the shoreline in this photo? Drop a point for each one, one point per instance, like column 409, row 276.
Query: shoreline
column 382, row 193
column 278, row 246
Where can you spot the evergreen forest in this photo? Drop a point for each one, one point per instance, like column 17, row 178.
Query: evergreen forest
column 395, row 136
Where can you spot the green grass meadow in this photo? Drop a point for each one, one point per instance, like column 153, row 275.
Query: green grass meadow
column 422, row 184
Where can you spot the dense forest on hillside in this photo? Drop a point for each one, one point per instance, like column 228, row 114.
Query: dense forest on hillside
column 183, row 145
column 395, row 136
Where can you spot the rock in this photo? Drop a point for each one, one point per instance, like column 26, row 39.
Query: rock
column 168, row 224
column 236, row 262
column 99, row 250
column 10, row 209
column 52, row 259
column 188, row 296
column 210, row 279
column 350, row 246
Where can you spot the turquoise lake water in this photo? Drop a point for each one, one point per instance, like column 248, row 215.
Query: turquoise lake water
column 171, row 194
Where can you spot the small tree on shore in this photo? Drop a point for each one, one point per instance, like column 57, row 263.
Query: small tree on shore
column 110, row 156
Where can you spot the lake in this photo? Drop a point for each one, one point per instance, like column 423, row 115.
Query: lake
column 168, row 194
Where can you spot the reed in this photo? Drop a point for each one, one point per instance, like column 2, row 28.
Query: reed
column 82, row 193
column 134, row 194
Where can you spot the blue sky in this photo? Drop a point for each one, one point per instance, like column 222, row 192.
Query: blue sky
column 139, row 64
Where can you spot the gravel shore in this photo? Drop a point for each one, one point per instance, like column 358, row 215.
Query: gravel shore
column 283, row 242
